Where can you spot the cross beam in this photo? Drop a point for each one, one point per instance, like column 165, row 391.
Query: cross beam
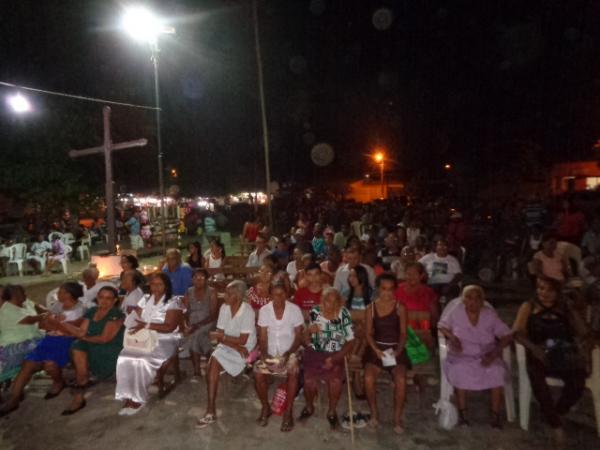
column 107, row 148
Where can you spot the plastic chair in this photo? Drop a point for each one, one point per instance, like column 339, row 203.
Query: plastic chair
column 446, row 388
column 55, row 233
column 592, row 383
column 17, row 255
column 68, row 238
column 83, row 251
column 65, row 261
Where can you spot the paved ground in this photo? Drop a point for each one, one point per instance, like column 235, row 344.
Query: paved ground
column 169, row 424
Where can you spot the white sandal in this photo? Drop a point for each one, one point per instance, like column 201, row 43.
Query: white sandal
column 207, row 420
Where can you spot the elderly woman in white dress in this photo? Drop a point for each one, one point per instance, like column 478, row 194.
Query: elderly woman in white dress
column 161, row 313
column 236, row 336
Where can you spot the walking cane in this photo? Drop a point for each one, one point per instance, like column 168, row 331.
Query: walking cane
column 350, row 411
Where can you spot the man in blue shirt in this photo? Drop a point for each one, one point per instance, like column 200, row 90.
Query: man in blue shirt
column 180, row 274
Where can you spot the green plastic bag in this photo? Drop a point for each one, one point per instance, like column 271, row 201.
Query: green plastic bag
column 416, row 350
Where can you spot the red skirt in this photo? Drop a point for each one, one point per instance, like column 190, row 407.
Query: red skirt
column 314, row 370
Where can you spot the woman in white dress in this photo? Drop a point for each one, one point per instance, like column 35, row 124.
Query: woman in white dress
column 236, row 335
column 161, row 313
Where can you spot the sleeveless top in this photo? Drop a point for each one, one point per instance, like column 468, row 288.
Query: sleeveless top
column 199, row 307
column 251, row 232
column 386, row 329
column 549, row 324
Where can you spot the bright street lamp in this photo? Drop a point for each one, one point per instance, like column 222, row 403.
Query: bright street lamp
column 144, row 26
column 19, row 104
column 379, row 158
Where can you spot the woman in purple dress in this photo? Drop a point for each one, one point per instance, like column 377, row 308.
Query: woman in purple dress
column 474, row 363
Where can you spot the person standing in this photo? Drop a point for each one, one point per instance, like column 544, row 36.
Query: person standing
column 180, row 274
column 134, row 227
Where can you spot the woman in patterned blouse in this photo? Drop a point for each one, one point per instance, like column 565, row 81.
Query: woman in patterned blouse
column 328, row 339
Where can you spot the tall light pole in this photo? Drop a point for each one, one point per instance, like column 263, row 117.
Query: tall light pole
column 379, row 158
column 141, row 24
column 263, row 111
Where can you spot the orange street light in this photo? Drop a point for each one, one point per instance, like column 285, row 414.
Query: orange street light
column 379, row 158
column 448, row 167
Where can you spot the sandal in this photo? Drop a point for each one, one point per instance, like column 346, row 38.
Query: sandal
column 462, row 418
column 333, row 421
column 51, row 395
column 306, row 413
column 287, row 424
column 207, row 420
column 263, row 419
column 496, row 421
column 70, row 412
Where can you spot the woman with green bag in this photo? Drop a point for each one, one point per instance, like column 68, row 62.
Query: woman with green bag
column 386, row 337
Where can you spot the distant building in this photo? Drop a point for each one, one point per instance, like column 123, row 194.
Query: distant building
column 575, row 176
column 368, row 189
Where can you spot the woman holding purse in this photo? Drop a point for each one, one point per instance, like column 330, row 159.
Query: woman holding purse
column 160, row 314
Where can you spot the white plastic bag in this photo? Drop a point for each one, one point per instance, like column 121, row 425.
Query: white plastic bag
column 448, row 414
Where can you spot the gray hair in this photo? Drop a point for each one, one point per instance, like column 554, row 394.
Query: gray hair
column 173, row 251
column 239, row 287
column 90, row 272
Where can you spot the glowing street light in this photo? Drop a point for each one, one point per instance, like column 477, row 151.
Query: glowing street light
column 379, row 158
column 448, row 166
column 19, row 104
column 144, row 26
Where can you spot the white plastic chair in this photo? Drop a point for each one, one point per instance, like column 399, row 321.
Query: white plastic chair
column 592, row 383
column 68, row 238
column 55, row 233
column 446, row 388
column 51, row 298
column 83, row 251
column 65, row 261
column 17, row 255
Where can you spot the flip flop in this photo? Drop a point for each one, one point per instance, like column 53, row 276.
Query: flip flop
column 305, row 414
column 205, row 421
column 70, row 412
column 333, row 421
column 287, row 424
column 263, row 420
column 51, row 395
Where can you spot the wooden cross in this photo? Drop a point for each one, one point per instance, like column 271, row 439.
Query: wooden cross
column 107, row 148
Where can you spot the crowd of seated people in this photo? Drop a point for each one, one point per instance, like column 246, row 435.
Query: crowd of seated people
column 308, row 305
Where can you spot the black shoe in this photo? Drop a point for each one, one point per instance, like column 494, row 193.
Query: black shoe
column 6, row 412
column 51, row 395
column 70, row 412
column 462, row 418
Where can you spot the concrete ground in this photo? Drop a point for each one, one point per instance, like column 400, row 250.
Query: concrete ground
column 169, row 423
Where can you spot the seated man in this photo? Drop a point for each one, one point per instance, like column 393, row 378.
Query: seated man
column 443, row 270
column 57, row 254
column 39, row 251
column 91, row 286
column 179, row 273
column 257, row 257
column 236, row 336
column 280, row 326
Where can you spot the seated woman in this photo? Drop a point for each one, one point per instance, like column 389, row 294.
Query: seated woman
column 359, row 296
column 161, row 313
column 548, row 262
column 52, row 352
column 328, row 339
column 258, row 295
column 280, row 326
column 386, row 337
column 416, row 296
column 131, row 285
column 99, row 342
column 214, row 258
column 17, row 339
column 201, row 313
column 407, row 256
column 549, row 331
column 236, row 336
column 195, row 259
column 476, row 336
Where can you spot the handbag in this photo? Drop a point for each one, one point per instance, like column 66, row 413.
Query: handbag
column 416, row 350
column 144, row 341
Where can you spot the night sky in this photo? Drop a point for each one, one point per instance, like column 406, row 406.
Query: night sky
column 493, row 87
